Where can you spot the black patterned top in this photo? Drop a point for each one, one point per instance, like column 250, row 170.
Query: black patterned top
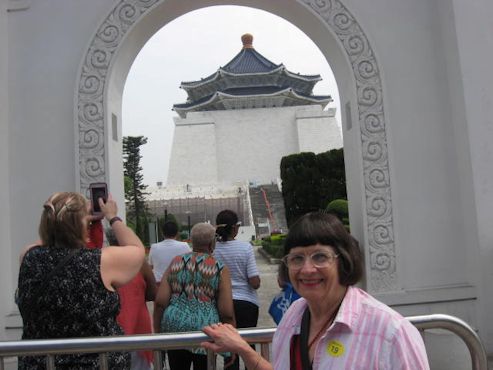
column 73, row 303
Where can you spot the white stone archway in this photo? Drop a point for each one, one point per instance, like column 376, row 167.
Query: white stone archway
column 337, row 33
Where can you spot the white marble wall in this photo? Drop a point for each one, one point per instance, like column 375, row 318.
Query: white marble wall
column 438, row 96
column 471, row 92
column 194, row 151
column 318, row 131
column 424, row 146
column 229, row 146
column 6, row 268
column 41, row 47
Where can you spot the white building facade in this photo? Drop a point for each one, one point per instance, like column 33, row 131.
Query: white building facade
column 240, row 121
column 417, row 114
column 227, row 146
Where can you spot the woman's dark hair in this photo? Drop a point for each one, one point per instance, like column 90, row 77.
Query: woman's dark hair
column 225, row 220
column 326, row 229
column 283, row 275
column 63, row 223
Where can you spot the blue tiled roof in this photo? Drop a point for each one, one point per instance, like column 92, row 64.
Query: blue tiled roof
column 249, row 61
column 249, row 73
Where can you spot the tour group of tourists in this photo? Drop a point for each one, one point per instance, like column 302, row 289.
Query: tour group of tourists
column 70, row 286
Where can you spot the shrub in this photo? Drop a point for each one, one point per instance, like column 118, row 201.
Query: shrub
column 183, row 235
column 276, row 251
column 276, row 239
column 339, row 207
column 274, row 245
column 265, row 245
column 310, row 181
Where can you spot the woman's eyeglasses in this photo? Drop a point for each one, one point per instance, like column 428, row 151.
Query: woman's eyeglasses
column 317, row 259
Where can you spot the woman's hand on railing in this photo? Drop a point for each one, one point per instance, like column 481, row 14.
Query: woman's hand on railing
column 227, row 339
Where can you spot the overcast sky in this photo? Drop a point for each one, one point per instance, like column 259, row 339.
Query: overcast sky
column 194, row 46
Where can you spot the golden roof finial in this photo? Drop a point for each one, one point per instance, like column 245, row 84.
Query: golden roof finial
column 247, row 40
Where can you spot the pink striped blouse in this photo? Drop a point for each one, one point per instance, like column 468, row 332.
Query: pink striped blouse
column 366, row 334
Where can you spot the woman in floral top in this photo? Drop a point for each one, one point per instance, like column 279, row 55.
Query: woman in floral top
column 195, row 291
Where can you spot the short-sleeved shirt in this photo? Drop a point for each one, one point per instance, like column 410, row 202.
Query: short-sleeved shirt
column 73, row 303
column 239, row 257
column 163, row 252
column 366, row 334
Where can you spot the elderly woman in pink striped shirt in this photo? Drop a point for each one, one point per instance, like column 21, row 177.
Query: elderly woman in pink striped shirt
column 335, row 325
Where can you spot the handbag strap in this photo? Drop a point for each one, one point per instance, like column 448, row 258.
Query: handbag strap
column 44, row 283
column 304, row 335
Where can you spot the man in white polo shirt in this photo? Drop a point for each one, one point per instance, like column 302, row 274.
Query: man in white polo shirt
column 163, row 252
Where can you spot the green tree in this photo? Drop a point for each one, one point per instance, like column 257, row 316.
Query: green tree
column 310, row 181
column 299, row 173
column 127, row 185
column 134, row 186
column 332, row 181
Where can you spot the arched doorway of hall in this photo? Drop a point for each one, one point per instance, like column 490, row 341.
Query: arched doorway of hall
column 343, row 42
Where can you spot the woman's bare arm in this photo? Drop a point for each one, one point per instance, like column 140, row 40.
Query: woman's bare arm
column 225, row 298
column 120, row 264
column 227, row 339
column 151, row 287
column 161, row 302
column 254, row 282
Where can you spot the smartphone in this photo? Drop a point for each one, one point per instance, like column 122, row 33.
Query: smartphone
column 98, row 190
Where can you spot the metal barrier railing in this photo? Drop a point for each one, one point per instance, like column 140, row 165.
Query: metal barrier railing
column 159, row 342
column 460, row 328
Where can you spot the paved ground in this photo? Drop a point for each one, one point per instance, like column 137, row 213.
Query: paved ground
column 268, row 288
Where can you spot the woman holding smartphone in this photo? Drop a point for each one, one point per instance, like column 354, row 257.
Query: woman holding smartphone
column 67, row 290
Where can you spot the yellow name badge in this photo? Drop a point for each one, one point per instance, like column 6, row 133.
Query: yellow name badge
column 335, row 348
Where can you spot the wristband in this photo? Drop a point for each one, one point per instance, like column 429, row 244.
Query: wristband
column 114, row 219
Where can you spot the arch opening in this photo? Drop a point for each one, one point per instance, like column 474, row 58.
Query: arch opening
column 341, row 39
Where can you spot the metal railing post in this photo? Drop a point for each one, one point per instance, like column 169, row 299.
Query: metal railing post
column 158, row 359
column 50, row 362
column 211, row 360
column 265, row 351
column 103, row 361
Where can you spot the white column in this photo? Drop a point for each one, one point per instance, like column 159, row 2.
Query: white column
column 7, row 261
column 474, row 26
